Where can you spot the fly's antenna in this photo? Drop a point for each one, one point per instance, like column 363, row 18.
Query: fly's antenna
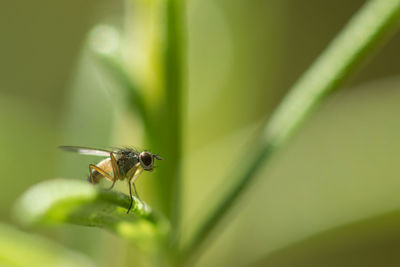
column 158, row 157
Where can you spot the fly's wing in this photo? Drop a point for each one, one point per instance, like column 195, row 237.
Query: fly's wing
column 87, row 151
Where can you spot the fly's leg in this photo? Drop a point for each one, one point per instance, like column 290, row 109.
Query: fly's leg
column 99, row 170
column 132, row 174
column 135, row 176
column 134, row 190
column 116, row 172
column 91, row 174
column 130, row 196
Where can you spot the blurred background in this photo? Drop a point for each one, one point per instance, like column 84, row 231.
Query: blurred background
column 331, row 197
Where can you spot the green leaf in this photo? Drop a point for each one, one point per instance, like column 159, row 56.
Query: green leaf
column 367, row 30
column 78, row 202
column 23, row 249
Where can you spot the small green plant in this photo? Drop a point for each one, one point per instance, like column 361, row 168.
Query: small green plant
column 161, row 100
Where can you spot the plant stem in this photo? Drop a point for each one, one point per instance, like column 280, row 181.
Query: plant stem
column 367, row 30
column 157, row 51
column 174, row 61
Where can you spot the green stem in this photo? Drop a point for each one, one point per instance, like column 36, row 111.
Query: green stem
column 174, row 60
column 366, row 31
column 157, row 92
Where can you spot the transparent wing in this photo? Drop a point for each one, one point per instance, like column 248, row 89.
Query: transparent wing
column 87, row 151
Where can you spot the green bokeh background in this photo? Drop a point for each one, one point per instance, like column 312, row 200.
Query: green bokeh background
column 335, row 188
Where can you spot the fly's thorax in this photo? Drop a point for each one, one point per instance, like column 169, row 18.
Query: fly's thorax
column 126, row 161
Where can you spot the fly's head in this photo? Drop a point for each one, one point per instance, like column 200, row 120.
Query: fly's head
column 146, row 160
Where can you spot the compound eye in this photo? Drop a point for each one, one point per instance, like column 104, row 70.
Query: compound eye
column 146, row 159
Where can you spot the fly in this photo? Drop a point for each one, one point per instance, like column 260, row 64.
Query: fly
column 120, row 164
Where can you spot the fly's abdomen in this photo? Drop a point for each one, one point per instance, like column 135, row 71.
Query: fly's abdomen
column 104, row 165
column 96, row 177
